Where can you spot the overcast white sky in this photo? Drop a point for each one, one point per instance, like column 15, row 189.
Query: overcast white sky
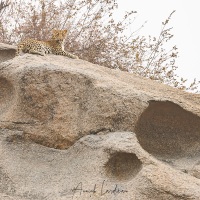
column 185, row 23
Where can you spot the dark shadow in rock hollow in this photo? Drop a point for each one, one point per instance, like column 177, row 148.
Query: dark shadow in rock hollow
column 7, row 54
column 170, row 133
column 165, row 129
column 123, row 166
column 6, row 94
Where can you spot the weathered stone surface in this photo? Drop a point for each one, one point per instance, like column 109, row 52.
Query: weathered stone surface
column 111, row 166
column 68, row 124
column 56, row 100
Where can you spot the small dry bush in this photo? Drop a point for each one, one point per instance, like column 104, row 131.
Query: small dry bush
column 95, row 35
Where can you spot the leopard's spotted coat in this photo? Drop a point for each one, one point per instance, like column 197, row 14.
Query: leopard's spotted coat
column 53, row 46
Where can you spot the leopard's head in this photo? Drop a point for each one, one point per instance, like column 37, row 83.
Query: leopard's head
column 59, row 35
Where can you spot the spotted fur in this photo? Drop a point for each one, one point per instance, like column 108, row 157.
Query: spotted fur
column 53, row 46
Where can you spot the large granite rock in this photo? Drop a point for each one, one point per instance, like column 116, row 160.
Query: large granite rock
column 70, row 129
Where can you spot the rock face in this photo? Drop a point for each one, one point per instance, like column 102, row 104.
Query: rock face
column 70, row 129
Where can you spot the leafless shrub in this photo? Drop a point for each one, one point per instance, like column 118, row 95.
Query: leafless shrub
column 95, row 36
column 3, row 5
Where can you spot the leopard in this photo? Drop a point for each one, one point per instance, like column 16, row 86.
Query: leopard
column 53, row 46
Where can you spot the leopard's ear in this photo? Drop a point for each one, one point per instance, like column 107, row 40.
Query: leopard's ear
column 65, row 31
column 54, row 31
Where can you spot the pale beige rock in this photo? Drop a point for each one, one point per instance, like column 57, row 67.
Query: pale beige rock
column 88, row 115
